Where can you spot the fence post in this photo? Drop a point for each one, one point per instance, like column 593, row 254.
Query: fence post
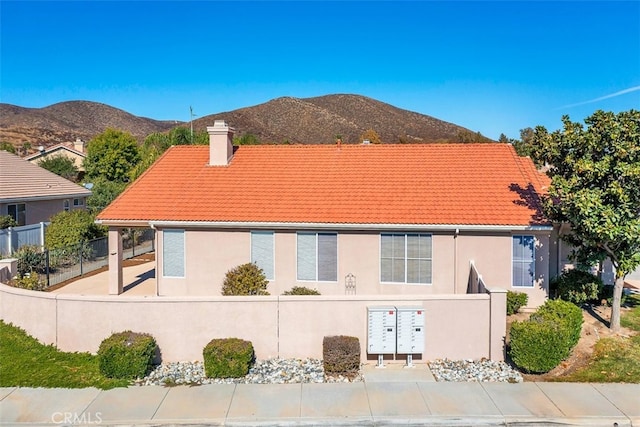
column 133, row 243
column 80, row 253
column 10, row 240
column 42, row 235
column 46, row 264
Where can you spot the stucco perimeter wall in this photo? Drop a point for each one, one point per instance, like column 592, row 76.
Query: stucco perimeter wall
column 456, row 326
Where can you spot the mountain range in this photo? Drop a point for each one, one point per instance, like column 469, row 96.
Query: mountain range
column 315, row 120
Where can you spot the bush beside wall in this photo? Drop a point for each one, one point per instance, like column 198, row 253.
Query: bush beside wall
column 127, row 355
column 245, row 279
column 515, row 301
column 341, row 355
column 227, row 358
column 301, row 290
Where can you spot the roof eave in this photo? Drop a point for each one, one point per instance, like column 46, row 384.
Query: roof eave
column 322, row 226
column 45, row 197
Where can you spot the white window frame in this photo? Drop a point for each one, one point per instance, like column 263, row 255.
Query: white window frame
column 406, row 258
column 66, row 205
column 522, row 261
column 316, row 234
column 273, row 253
column 164, row 253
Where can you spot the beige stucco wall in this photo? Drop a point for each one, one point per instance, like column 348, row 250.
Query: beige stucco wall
column 210, row 254
column 456, row 326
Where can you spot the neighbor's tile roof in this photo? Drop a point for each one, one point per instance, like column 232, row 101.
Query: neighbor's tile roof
column 22, row 180
column 474, row 184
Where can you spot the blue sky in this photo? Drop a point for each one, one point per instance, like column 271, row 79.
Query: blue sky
column 493, row 67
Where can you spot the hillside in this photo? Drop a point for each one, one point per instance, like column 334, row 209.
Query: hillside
column 295, row 120
column 66, row 121
column 318, row 120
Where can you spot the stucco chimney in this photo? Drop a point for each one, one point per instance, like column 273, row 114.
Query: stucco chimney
column 220, row 143
column 78, row 145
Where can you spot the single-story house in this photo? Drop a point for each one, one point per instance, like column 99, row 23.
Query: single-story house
column 31, row 194
column 71, row 150
column 392, row 219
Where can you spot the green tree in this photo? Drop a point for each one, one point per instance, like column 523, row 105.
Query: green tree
column 371, row 135
column 246, row 139
column 111, row 155
column 103, row 192
column 595, row 187
column 525, row 145
column 7, row 146
column 61, row 165
column 72, row 227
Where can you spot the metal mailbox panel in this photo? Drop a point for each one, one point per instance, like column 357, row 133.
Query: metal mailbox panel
column 410, row 330
column 381, row 333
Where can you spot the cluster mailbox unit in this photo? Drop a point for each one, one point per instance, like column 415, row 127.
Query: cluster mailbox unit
column 395, row 330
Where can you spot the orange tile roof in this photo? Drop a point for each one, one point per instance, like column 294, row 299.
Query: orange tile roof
column 460, row 184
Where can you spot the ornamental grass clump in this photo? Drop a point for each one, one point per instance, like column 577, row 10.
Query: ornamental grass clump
column 127, row 355
column 228, row 358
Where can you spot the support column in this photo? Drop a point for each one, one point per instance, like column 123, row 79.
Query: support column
column 115, row 261
column 497, row 323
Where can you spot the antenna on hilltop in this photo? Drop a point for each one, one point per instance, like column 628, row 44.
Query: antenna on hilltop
column 191, row 121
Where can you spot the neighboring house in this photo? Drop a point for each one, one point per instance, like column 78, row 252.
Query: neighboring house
column 71, row 150
column 389, row 219
column 31, row 194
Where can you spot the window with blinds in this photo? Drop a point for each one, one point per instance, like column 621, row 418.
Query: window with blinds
column 173, row 253
column 262, row 252
column 317, row 257
column 523, row 261
column 405, row 258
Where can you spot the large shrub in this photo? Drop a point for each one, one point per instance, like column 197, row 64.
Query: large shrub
column 245, row 279
column 69, row 228
column 341, row 355
column 568, row 315
column 547, row 338
column 127, row 355
column 537, row 347
column 516, row 300
column 577, row 286
column 227, row 358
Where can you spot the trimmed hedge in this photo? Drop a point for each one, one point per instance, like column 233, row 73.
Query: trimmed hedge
column 245, row 279
column 537, row 347
column 341, row 355
column 547, row 338
column 516, row 300
column 578, row 287
column 565, row 313
column 301, row 290
column 127, row 355
column 227, row 358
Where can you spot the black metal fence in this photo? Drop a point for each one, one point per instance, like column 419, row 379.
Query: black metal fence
column 55, row 266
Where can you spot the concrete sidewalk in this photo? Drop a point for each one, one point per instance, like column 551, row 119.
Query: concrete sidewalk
column 361, row 403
